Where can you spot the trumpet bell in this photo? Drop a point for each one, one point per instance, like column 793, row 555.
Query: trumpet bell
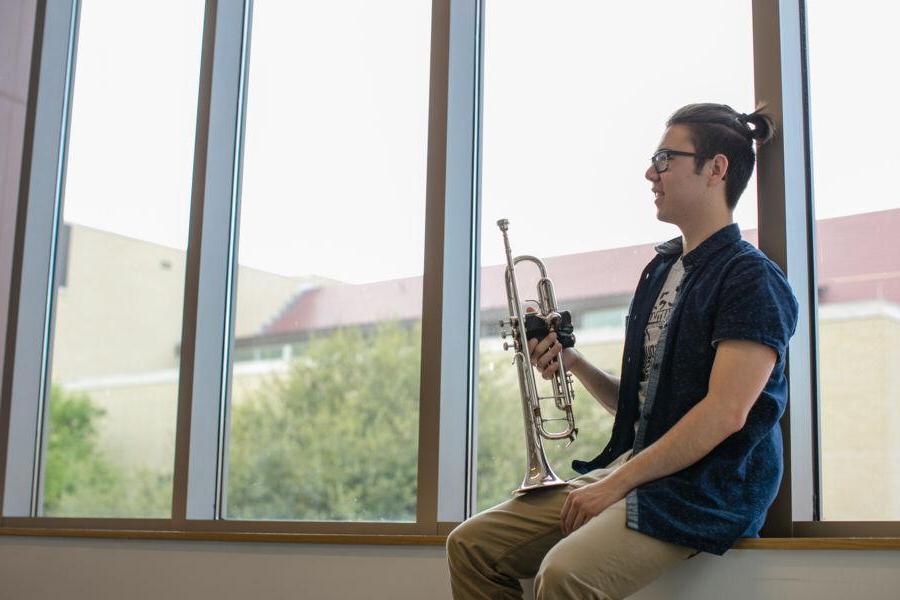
column 546, row 480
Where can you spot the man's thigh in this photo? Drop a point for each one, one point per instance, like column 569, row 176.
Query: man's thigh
column 603, row 558
column 514, row 536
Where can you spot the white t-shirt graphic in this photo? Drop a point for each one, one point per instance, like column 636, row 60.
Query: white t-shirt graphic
column 656, row 324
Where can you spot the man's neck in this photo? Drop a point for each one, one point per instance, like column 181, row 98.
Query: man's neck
column 695, row 234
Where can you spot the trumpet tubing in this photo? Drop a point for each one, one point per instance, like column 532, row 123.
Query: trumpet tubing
column 539, row 473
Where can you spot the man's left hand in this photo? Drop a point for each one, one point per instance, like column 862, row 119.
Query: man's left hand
column 585, row 503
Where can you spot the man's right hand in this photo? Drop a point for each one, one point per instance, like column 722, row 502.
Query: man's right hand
column 544, row 354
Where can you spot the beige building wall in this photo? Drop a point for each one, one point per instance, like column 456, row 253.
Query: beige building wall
column 859, row 358
column 138, row 428
column 120, row 312
column 118, row 331
column 860, row 413
column 119, row 324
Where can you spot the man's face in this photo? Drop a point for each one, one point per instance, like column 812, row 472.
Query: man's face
column 679, row 191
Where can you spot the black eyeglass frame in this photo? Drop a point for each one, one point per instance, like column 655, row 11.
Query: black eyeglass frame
column 656, row 158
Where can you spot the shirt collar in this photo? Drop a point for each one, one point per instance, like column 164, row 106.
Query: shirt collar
column 723, row 237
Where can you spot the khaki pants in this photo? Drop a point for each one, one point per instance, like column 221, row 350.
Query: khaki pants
column 521, row 538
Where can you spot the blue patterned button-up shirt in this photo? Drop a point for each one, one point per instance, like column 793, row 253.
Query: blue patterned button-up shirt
column 730, row 290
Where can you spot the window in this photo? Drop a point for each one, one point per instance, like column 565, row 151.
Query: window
column 332, row 229
column 858, row 263
column 290, row 336
column 118, row 306
column 564, row 161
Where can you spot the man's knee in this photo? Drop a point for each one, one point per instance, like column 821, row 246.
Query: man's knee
column 550, row 577
column 456, row 541
column 557, row 579
column 461, row 541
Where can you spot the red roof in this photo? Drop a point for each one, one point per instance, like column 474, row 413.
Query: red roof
column 346, row 304
column 858, row 259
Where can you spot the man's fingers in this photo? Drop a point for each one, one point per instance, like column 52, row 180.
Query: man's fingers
column 564, row 514
column 549, row 370
column 581, row 520
column 546, row 343
column 541, row 349
column 549, row 359
column 551, row 351
column 570, row 521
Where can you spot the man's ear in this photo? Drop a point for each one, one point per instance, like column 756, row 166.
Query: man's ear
column 718, row 167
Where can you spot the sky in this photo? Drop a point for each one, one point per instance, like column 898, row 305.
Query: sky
column 575, row 102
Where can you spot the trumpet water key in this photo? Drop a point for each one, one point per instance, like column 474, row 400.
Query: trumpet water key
column 521, row 327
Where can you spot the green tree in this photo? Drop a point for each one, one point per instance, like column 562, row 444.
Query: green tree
column 336, row 438
column 73, row 461
column 80, row 478
column 501, row 429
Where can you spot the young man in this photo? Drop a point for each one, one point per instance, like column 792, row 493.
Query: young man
column 695, row 456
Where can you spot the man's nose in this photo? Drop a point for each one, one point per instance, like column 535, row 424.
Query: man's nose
column 651, row 174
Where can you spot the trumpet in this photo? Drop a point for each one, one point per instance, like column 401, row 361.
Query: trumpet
column 538, row 474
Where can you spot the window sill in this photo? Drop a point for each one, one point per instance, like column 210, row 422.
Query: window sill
column 229, row 536
column 810, row 543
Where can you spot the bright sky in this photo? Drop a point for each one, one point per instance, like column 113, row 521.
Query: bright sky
column 334, row 164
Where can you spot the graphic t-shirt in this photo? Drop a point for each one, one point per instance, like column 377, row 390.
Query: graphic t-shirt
column 656, row 325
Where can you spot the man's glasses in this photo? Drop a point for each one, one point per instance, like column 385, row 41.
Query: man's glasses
column 661, row 159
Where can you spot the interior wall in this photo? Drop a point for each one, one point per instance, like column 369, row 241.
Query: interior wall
column 16, row 33
column 87, row 569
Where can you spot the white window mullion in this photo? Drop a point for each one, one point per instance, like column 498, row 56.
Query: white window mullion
column 209, row 287
column 45, row 151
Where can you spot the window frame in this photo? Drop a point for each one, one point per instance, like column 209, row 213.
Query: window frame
column 451, row 284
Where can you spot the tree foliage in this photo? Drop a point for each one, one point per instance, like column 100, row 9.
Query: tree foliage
column 81, row 479
column 501, row 430
column 333, row 438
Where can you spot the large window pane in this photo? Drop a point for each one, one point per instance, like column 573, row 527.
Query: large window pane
column 120, row 263
column 858, row 261
column 575, row 102
column 325, row 392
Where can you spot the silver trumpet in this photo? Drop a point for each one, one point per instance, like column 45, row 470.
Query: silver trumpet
column 539, row 474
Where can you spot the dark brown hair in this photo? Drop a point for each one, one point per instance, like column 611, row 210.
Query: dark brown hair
column 719, row 129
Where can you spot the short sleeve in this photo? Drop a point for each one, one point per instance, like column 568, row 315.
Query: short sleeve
column 756, row 303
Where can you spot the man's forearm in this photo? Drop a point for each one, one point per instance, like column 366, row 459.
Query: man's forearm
column 694, row 436
column 600, row 385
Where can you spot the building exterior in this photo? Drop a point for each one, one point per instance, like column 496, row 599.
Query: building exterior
column 118, row 329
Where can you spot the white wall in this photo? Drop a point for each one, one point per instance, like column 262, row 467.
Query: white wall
column 76, row 569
